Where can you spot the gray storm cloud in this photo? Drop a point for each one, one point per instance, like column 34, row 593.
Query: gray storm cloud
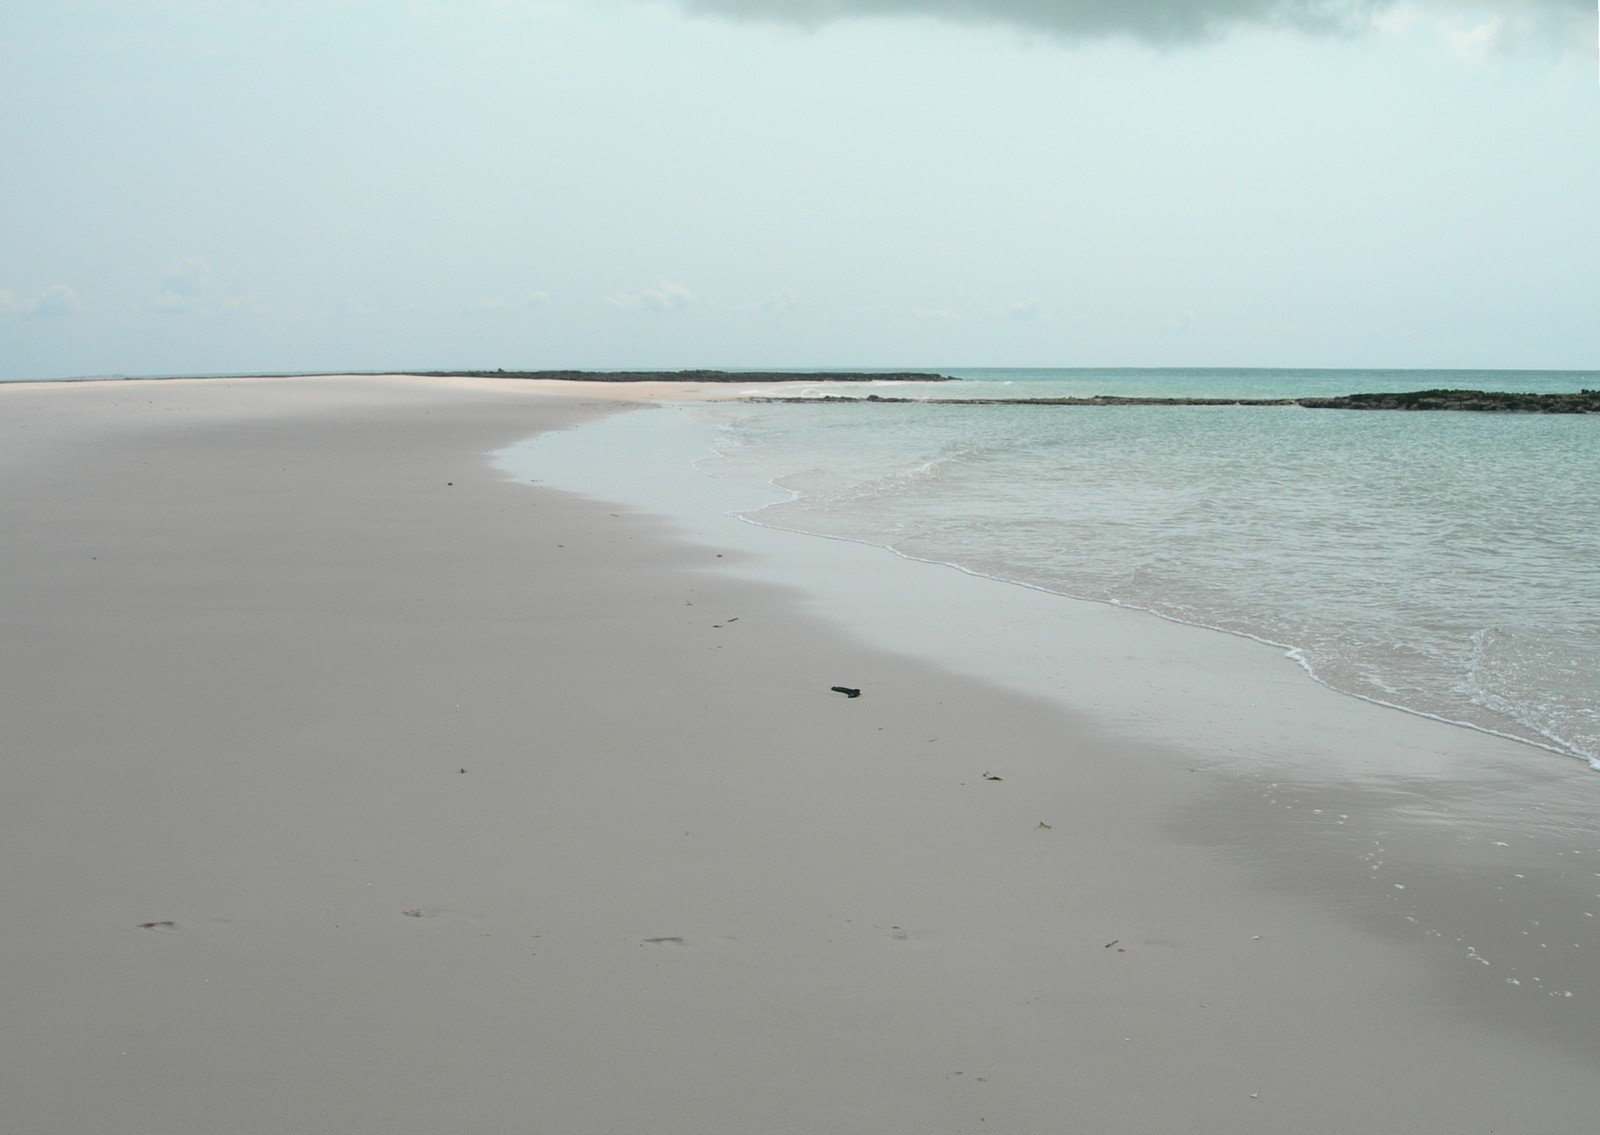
column 1152, row 21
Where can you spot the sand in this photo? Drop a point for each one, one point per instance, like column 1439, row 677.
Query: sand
column 253, row 631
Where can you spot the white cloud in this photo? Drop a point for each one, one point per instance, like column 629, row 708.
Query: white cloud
column 521, row 301
column 780, row 300
column 189, row 277
column 880, row 310
column 1473, row 43
column 1282, row 328
column 1022, row 310
column 665, row 297
column 358, row 309
column 183, row 284
column 57, row 301
column 500, row 11
column 1480, row 30
column 1397, row 19
column 52, row 303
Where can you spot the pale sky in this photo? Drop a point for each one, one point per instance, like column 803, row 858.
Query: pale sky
column 194, row 186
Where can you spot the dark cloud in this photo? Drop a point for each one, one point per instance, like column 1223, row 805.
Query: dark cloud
column 1151, row 21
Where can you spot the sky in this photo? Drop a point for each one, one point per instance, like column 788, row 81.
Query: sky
column 233, row 186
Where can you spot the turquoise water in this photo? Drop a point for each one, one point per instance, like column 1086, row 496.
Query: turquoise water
column 1446, row 563
column 1222, row 382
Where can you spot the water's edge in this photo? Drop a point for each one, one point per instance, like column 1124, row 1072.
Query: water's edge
column 669, row 448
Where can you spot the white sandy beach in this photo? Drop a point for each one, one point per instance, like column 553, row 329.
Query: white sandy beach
column 352, row 786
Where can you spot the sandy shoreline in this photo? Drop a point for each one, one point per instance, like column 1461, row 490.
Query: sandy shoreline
column 254, row 629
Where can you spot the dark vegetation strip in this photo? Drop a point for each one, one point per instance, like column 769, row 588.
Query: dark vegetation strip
column 693, row 375
column 752, row 376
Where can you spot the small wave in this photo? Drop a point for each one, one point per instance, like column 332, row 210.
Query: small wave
column 854, row 493
column 1294, row 654
column 1067, row 502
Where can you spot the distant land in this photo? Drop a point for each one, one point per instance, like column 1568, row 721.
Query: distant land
column 695, row 375
column 1483, row 401
column 761, row 376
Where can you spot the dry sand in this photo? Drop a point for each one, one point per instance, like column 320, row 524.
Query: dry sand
column 252, row 631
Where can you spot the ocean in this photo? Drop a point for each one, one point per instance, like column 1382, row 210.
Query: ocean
column 1443, row 563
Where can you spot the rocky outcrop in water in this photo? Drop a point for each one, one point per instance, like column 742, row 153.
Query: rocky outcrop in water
column 1493, row 401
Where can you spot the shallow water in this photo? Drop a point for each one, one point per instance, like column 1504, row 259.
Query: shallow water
column 1219, row 382
column 1447, row 563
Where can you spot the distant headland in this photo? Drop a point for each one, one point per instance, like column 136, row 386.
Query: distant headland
column 695, row 375
column 686, row 376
